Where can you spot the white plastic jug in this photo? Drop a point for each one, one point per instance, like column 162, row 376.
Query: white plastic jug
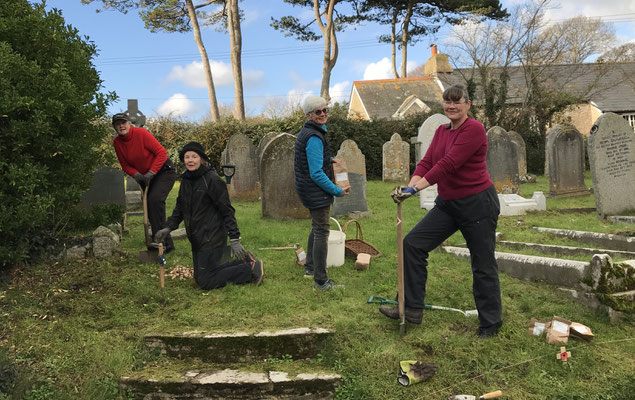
column 335, row 256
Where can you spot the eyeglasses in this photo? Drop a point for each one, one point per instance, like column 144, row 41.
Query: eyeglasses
column 453, row 103
column 324, row 111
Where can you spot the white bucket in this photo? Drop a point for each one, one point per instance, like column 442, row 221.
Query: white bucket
column 335, row 255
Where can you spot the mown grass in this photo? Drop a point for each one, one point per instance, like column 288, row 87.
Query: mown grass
column 69, row 330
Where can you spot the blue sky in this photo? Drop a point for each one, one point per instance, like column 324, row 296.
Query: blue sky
column 163, row 70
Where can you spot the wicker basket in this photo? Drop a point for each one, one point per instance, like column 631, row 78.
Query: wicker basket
column 352, row 247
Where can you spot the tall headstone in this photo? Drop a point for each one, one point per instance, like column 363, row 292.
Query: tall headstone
column 521, row 150
column 502, row 161
column 355, row 201
column 279, row 198
column 396, row 160
column 261, row 146
column 242, row 153
column 424, row 138
column 565, row 152
column 612, row 159
column 107, row 187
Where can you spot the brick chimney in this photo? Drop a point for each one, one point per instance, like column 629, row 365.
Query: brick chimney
column 433, row 49
column 438, row 63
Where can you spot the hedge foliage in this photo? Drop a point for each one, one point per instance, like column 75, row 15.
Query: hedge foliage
column 49, row 94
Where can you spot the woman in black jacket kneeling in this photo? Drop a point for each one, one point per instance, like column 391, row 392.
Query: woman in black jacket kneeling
column 204, row 206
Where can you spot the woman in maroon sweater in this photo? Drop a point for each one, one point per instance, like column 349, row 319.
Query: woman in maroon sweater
column 467, row 201
column 142, row 157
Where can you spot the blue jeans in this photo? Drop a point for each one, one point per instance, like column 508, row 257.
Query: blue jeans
column 317, row 246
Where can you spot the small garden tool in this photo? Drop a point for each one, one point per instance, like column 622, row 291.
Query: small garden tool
column 491, row 395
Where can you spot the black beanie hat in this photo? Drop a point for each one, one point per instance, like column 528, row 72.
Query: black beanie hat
column 195, row 147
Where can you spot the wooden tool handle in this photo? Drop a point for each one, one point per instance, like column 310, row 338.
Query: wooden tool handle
column 492, row 395
column 162, row 279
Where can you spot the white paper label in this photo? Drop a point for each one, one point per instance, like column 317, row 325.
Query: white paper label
column 539, row 328
column 342, row 176
column 301, row 256
column 581, row 329
column 559, row 327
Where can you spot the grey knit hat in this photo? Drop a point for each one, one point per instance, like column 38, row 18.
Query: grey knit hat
column 312, row 102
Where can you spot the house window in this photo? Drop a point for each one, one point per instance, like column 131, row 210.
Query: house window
column 630, row 118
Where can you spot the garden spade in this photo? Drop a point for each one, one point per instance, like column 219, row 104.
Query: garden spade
column 491, row 395
column 151, row 255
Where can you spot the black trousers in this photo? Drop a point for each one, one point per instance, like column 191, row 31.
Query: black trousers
column 160, row 187
column 476, row 217
column 210, row 274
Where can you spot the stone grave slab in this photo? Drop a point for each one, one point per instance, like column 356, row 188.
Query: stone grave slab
column 355, row 160
column 513, row 204
column 242, row 153
column 611, row 151
column 565, row 152
column 502, row 161
column 396, row 160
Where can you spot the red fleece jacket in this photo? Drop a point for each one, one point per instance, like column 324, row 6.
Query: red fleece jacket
column 455, row 160
column 139, row 151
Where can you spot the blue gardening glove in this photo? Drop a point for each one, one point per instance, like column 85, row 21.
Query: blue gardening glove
column 238, row 250
column 161, row 235
column 411, row 190
column 139, row 179
column 148, row 177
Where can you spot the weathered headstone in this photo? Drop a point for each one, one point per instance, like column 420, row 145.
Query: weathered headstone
column 355, row 201
column 424, row 138
column 612, row 159
column 396, row 160
column 261, row 146
column 107, row 187
column 241, row 153
column 565, row 152
column 279, row 198
column 502, row 161
column 521, row 150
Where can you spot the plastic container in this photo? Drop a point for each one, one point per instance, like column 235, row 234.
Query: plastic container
column 335, row 256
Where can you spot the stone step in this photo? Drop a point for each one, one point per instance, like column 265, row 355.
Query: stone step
column 299, row 343
column 566, row 250
column 559, row 272
column 231, row 384
column 605, row 240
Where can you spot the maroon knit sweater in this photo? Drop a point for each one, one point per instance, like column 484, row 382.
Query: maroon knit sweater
column 455, row 160
column 139, row 151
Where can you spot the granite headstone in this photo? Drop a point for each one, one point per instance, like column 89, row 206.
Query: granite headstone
column 355, row 201
column 565, row 152
column 396, row 160
column 241, row 153
column 502, row 161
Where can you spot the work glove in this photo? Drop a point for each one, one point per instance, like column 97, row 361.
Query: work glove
column 140, row 179
column 238, row 250
column 402, row 192
column 148, row 177
column 161, row 235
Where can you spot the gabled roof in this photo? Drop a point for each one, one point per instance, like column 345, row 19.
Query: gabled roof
column 610, row 86
column 382, row 98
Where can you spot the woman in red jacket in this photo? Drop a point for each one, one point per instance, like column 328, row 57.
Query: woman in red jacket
column 142, row 157
column 467, row 201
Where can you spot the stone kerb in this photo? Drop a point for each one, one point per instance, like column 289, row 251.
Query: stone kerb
column 607, row 240
column 565, row 155
column 424, row 138
column 355, row 160
column 395, row 160
column 240, row 152
column 502, row 161
column 277, row 184
column 611, row 149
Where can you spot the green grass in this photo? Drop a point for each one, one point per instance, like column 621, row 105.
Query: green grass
column 68, row 330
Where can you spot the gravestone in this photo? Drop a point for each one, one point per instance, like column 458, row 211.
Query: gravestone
column 107, row 187
column 241, row 153
column 136, row 116
column 134, row 201
column 612, row 158
column 521, row 150
column 355, row 161
column 396, row 160
column 424, row 138
column 277, row 185
column 565, row 152
column 502, row 161
column 261, row 146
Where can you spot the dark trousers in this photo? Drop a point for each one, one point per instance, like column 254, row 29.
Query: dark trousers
column 160, row 187
column 476, row 217
column 210, row 274
column 317, row 246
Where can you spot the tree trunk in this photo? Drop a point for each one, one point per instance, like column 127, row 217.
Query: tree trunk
column 206, row 67
column 330, row 45
column 393, row 44
column 405, row 38
column 235, row 43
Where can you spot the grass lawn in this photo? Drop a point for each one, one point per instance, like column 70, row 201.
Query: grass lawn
column 68, row 330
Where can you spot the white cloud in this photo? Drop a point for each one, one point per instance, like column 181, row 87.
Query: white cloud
column 590, row 8
column 382, row 69
column 340, row 91
column 192, row 75
column 178, row 105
